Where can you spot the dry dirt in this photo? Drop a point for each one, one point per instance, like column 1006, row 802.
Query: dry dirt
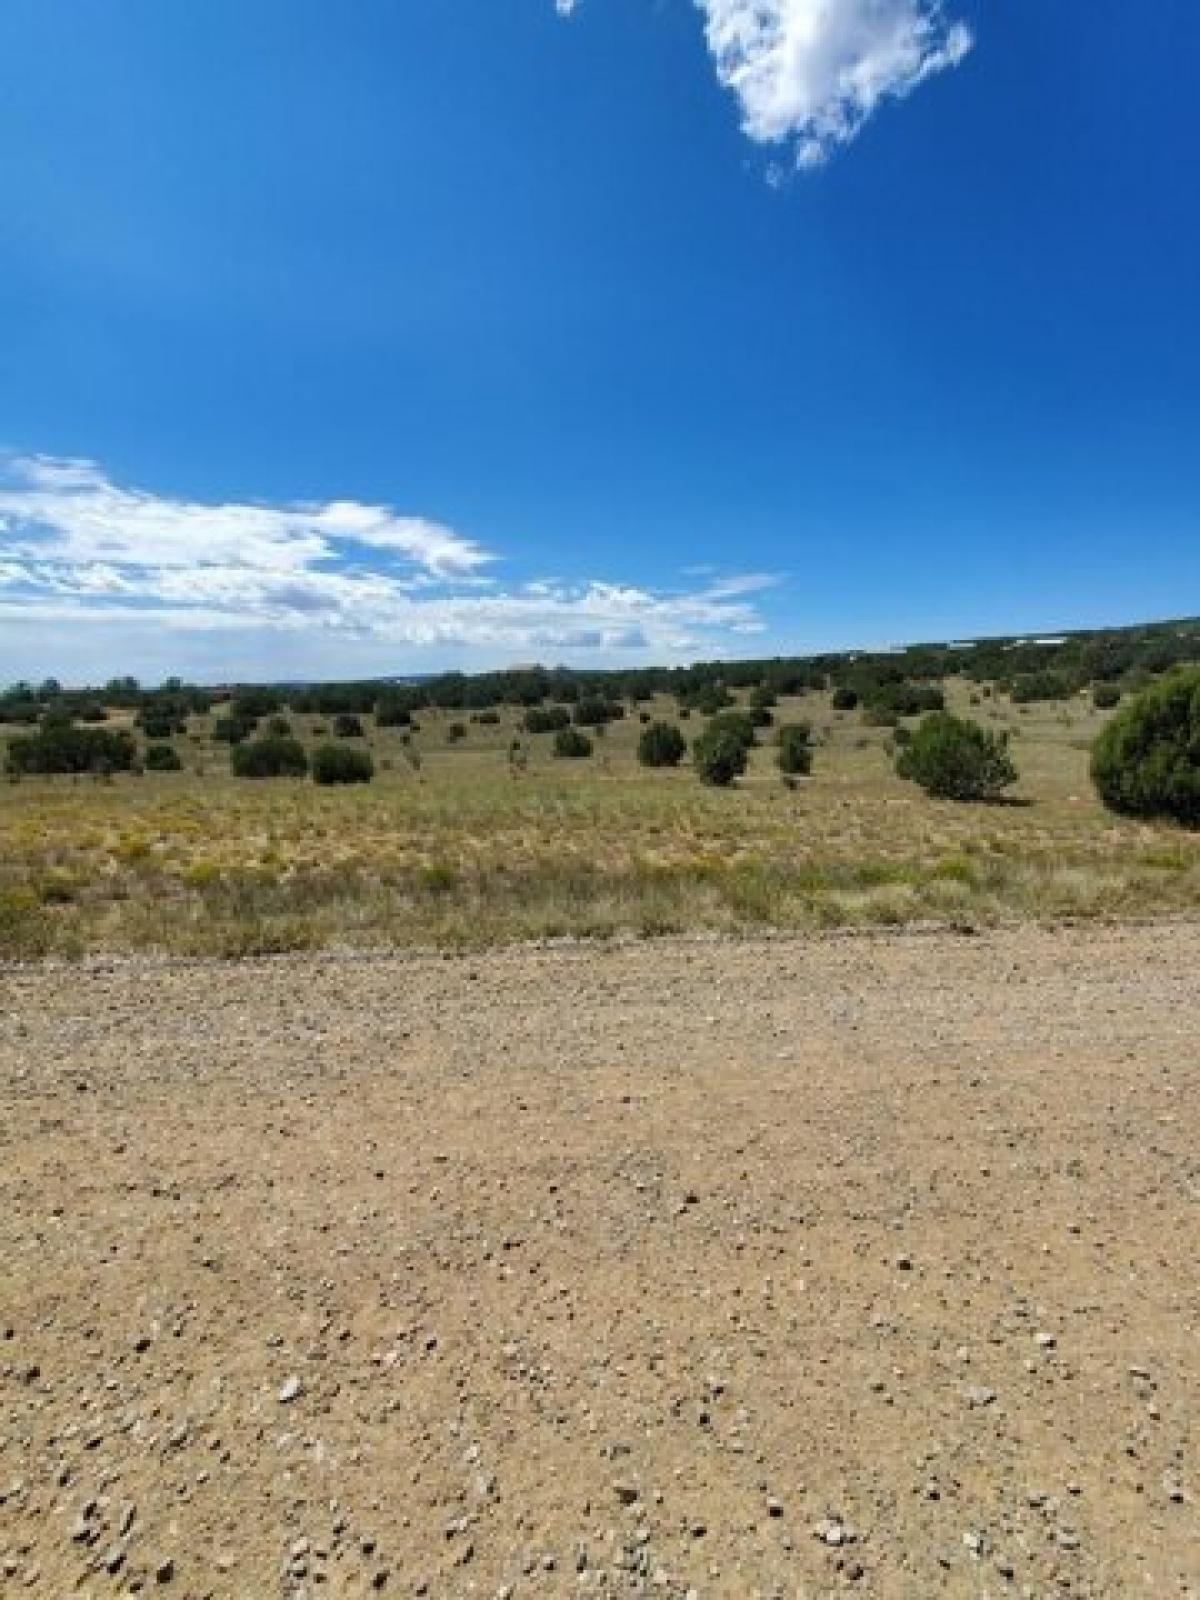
column 790, row 1268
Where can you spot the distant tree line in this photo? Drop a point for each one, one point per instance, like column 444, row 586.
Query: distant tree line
column 887, row 685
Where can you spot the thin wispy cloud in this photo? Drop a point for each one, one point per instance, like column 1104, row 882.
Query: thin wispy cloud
column 808, row 74
column 79, row 551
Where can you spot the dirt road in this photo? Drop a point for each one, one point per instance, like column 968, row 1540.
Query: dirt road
column 864, row 1265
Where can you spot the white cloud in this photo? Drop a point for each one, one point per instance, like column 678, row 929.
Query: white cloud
column 809, row 73
column 86, row 518
column 78, row 552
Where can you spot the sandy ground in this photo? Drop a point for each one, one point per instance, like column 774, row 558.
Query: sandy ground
column 779, row 1269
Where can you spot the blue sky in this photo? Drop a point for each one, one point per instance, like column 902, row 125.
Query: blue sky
column 420, row 333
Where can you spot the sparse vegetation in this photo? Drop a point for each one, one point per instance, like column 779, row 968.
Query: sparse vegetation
column 523, row 845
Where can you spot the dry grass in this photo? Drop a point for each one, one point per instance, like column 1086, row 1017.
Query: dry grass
column 459, row 850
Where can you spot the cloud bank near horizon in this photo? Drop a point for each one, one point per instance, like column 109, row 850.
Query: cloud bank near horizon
column 808, row 74
column 343, row 579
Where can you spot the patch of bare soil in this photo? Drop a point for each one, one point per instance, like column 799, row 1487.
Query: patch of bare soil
column 794, row 1268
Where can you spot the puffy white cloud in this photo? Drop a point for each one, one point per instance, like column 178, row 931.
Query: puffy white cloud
column 80, row 552
column 809, row 73
column 73, row 509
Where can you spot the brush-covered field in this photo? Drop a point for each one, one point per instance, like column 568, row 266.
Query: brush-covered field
column 456, row 845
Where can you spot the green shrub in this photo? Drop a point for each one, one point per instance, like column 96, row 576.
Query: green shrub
column 232, row 730
column 1033, row 686
column 594, row 712
column 161, row 724
column 394, row 710
column 1146, row 763
column 278, row 728
column 661, row 745
column 888, row 702
column 270, row 757
column 720, row 754
column 456, row 732
column 341, row 763
column 546, row 719
column 707, row 700
column 162, row 758
column 60, row 747
column 1106, row 695
column 956, row 759
column 572, row 744
column 740, row 724
column 486, row 719
column 845, row 699
column 795, row 749
column 347, row 726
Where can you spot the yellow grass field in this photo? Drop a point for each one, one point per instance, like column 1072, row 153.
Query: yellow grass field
column 457, row 848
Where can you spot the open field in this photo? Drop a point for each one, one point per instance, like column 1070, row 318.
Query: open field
column 455, row 848
column 784, row 1268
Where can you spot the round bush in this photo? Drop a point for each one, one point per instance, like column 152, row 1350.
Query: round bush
column 161, row 758
column 720, row 755
column 1106, row 695
column 594, row 712
column 661, row 745
column 272, row 757
column 738, row 723
column 708, row 699
column 956, row 759
column 160, row 724
column 795, row 750
column 546, row 719
column 571, row 744
column 1146, row 763
column 342, row 763
column 845, row 699
column 232, row 730
column 347, row 726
